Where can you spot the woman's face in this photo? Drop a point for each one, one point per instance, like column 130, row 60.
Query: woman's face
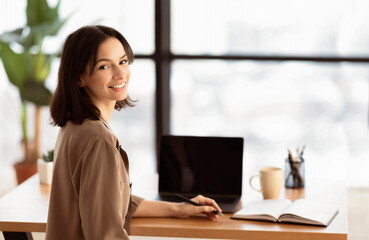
column 108, row 81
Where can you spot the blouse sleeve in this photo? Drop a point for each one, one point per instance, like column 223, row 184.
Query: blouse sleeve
column 101, row 202
column 136, row 200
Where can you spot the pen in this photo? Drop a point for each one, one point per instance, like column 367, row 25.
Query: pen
column 179, row 196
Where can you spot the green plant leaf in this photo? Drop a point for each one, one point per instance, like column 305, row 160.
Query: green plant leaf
column 53, row 15
column 40, row 68
column 49, row 25
column 13, row 36
column 49, row 157
column 36, row 93
column 37, row 12
column 55, row 26
column 14, row 64
column 39, row 32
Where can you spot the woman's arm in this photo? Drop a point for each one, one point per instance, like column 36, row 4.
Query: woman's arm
column 171, row 209
column 100, row 193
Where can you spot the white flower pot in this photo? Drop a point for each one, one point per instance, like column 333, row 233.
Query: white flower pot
column 45, row 171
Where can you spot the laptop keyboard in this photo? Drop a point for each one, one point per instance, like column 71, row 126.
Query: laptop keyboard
column 224, row 200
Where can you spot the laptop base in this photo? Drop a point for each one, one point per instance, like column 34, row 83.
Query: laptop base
column 228, row 205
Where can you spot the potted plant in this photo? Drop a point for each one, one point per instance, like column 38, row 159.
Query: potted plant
column 27, row 68
column 45, row 167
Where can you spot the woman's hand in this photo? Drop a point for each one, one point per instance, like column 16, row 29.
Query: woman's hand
column 174, row 209
column 207, row 208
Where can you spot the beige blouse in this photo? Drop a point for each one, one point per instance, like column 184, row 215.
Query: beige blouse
column 90, row 194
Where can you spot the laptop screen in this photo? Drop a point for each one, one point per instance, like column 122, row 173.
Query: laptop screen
column 200, row 165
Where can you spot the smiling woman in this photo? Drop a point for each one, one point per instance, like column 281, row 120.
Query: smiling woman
column 106, row 81
column 88, row 78
column 91, row 190
column 87, row 153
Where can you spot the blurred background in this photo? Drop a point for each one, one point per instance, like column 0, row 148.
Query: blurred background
column 281, row 74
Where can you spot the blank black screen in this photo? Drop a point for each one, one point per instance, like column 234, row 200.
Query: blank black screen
column 200, row 165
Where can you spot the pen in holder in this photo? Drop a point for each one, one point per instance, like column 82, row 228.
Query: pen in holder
column 295, row 171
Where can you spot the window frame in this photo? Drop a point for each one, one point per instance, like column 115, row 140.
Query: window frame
column 163, row 59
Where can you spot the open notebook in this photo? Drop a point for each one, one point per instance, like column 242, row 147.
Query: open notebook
column 301, row 211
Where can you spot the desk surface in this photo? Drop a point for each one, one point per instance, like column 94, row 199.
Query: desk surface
column 25, row 210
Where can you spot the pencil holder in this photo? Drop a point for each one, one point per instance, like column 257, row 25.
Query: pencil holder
column 294, row 173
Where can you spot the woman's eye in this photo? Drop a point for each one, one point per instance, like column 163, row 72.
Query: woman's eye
column 103, row 67
column 123, row 61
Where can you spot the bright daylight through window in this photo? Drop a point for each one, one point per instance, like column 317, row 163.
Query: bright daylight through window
column 267, row 94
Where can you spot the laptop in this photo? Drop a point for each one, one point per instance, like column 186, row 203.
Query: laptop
column 210, row 166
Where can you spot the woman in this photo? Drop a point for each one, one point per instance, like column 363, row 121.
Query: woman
column 90, row 195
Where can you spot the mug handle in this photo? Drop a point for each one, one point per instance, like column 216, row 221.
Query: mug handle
column 250, row 183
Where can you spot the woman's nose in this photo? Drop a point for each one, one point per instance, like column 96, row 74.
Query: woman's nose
column 119, row 73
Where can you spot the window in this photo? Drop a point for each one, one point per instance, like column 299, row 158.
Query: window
column 266, row 27
column 278, row 73
column 276, row 106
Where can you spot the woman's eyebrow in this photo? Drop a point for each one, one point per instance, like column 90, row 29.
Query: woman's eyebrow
column 107, row 59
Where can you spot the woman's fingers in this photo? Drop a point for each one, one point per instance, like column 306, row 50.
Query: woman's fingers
column 207, row 210
column 207, row 202
column 207, row 206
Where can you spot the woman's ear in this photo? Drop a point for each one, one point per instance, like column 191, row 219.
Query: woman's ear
column 81, row 81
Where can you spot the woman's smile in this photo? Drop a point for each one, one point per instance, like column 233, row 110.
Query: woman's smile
column 118, row 87
column 109, row 79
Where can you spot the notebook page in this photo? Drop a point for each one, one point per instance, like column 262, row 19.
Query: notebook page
column 273, row 207
column 312, row 210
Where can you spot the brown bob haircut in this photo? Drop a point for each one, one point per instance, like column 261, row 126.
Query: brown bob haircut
column 70, row 102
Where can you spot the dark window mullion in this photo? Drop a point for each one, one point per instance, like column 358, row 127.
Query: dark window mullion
column 144, row 56
column 162, row 63
column 260, row 58
column 272, row 58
